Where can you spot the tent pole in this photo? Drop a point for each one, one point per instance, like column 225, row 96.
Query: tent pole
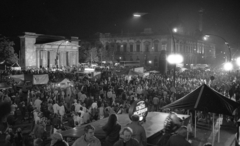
column 195, row 131
column 213, row 135
column 219, row 127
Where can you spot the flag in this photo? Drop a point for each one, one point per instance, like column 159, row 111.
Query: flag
column 40, row 79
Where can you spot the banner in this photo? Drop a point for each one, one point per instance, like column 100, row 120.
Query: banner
column 139, row 70
column 40, row 79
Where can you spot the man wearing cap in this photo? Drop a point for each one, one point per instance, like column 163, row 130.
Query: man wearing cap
column 138, row 130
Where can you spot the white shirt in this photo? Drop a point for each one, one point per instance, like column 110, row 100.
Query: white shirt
column 55, row 108
column 61, row 110
column 77, row 107
column 94, row 105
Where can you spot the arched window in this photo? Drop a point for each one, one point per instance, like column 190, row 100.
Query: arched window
column 147, row 46
column 138, row 44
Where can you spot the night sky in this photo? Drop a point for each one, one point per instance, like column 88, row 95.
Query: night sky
column 85, row 17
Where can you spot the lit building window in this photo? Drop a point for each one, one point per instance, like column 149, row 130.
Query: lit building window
column 164, row 46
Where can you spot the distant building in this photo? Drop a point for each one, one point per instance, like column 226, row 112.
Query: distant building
column 151, row 49
column 38, row 50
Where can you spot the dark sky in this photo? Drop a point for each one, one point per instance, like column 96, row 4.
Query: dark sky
column 85, row 17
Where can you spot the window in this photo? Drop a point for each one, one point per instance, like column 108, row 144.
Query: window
column 138, row 47
column 118, row 47
column 147, row 47
column 156, row 46
column 125, row 47
column 164, row 46
column 131, row 47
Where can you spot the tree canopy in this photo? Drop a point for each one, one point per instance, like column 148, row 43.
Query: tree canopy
column 7, row 53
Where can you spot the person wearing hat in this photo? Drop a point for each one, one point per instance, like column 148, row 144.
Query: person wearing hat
column 138, row 130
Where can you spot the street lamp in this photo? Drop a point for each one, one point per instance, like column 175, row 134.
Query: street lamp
column 228, row 66
column 205, row 37
column 174, row 58
column 137, row 15
column 150, row 61
column 57, row 54
column 175, row 30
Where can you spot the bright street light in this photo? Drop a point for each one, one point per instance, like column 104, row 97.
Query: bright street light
column 175, row 59
column 149, row 61
column 228, row 66
column 136, row 15
column 175, row 30
column 238, row 61
column 206, row 37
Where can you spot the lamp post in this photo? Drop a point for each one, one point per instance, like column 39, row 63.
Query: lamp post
column 225, row 42
column 57, row 54
column 174, row 58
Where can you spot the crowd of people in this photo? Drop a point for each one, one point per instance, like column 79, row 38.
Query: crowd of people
column 52, row 109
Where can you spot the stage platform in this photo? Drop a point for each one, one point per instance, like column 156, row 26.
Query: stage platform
column 154, row 123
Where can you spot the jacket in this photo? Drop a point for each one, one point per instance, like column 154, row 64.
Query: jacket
column 112, row 135
column 138, row 133
column 82, row 142
column 131, row 142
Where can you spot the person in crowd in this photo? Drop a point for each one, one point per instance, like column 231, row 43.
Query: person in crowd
column 19, row 137
column 138, row 130
column 55, row 107
column 86, row 117
column 179, row 138
column 112, row 129
column 37, row 103
column 88, row 139
column 126, row 138
column 77, row 118
column 61, row 110
column 57, row 140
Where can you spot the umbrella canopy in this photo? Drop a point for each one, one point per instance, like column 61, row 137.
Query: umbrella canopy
column 206, row 99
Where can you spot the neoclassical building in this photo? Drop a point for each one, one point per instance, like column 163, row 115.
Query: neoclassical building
column 149, row 47
column 37, row 50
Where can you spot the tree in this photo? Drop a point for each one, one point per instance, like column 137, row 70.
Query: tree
column 7, row 53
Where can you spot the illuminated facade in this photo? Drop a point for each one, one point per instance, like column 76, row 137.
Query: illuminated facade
column 149, row 47
column 41, row 50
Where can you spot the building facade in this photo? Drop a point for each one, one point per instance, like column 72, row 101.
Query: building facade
column 37, row 50
column 151, row 49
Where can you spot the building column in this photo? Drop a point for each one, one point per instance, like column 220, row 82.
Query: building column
column 77, row 57
column 37, row 58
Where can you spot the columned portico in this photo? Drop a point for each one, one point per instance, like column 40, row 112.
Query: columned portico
column 37, row 53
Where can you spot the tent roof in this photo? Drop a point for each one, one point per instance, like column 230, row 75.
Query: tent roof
column 206, row 99
column 15, row 65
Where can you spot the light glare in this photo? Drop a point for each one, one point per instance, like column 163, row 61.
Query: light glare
column 136, row 15
column 175, row 59
column 238, row 61
column 228, row 66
